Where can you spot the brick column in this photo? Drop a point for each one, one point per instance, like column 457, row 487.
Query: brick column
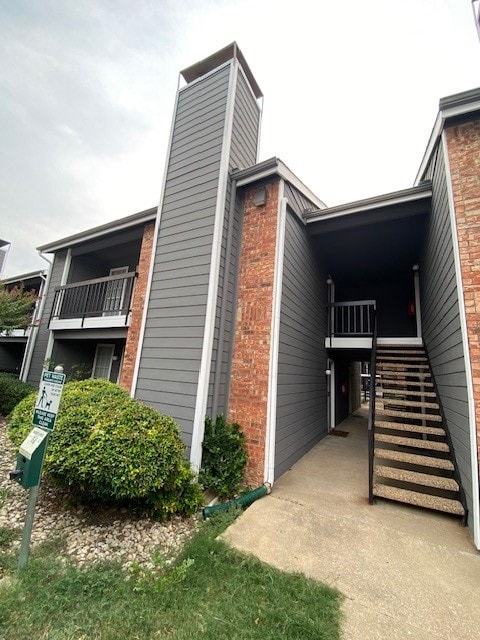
column 252, row 339
column 141, row 282
column 463, row 142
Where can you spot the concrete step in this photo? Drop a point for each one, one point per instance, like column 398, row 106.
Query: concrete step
column 417, row 443
column 409, row 415
column 411, row 403
column 413, row 458
column 404, row 392
column 413, row 477
column 413, row 428
column 402, row 384
column 419, row 499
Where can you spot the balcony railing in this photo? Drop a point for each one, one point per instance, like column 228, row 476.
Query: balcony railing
column 351, row 319
column 100, row 302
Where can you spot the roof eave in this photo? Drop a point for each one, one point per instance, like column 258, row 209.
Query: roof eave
column 110, row 227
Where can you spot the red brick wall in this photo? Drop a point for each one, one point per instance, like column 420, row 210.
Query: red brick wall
column 251, row 348
column 141, row 282
column 463, row 143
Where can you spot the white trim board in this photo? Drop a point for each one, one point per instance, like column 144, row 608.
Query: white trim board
column 466, row 352
column 207, row 348
column 366, row 343
column 269, row 467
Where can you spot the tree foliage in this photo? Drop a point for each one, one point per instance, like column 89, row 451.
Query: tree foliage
column 15, row 308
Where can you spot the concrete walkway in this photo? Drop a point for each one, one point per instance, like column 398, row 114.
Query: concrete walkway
column 405, row 573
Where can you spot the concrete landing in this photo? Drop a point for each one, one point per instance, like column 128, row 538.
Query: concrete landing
column 405, row 572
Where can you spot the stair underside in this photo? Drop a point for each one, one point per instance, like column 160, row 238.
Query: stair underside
column 419, row 499
column 413, row 477
column 414, row 428
column 416, row 443
column 415, row 459
column 405, row 367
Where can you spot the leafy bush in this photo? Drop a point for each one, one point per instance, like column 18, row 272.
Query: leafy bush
column 224, row 457
column 108, row 446
column 12, row 390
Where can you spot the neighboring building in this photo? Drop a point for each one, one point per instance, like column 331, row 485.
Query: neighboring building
column 237, row 267
column 4, row 247
column 16, row 345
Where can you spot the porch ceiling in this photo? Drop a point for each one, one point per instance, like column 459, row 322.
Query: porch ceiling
column 363, row 245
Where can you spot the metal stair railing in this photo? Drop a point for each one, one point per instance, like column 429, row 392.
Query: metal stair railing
column 371, row 408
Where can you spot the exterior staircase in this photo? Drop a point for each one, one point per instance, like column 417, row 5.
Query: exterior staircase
column 413, row 461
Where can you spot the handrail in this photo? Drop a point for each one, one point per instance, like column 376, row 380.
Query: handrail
column 351, row 318
column 371, row 409
column 106, row 296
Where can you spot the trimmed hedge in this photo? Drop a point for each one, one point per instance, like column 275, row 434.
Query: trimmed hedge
column 12, row 390
column 223, row 457
column 111, row 447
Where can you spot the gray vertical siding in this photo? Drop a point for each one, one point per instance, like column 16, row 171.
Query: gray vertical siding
column 301, row 392
column 441, row 321
column 172, row 347
column 40, row 349
column 243, row 153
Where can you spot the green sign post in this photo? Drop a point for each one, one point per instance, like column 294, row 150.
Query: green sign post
column 48, row 399
column 32, row 451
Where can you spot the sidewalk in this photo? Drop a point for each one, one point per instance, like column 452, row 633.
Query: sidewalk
column 405, row 573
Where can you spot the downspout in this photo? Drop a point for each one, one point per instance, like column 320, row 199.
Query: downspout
column 32, row 339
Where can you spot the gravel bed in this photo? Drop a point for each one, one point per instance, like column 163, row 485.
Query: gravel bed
column 88, row 533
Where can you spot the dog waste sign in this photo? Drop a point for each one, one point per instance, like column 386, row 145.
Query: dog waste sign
column 48, row 400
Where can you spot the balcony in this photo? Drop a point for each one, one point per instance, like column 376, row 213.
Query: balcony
column 100, row 303
column 350, row 324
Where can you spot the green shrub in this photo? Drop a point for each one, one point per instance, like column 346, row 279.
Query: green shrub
column 224, row 457
column 12, row 390
column 111, row 447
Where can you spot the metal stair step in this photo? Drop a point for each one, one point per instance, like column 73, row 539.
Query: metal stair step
column 410, row 414
column 411, row 403
column 401, row 359
column 414, row 428
column 404, row 392
column 394, row 352
column 397, row 366
column 424, row 479
column 402, row 383
column 417, row 443
column 402, row 374
column 413, row 458
column 419, row 499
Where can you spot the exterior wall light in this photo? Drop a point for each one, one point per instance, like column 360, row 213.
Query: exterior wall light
column 260, row 197
column 328, row 372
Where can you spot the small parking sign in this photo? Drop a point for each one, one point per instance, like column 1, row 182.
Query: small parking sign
column 48, row 400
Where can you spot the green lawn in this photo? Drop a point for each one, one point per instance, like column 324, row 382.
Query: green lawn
column 211, row 592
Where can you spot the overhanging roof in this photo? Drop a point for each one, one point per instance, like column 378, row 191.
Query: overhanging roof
column 419, row 193
column 274, row 166
column 454, row 106
column 96, row 232
column 31, row 275
column 229, row 52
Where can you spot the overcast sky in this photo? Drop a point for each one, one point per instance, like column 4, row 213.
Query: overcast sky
column 87, row 91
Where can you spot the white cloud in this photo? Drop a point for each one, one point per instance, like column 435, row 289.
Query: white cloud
column 351, row 92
